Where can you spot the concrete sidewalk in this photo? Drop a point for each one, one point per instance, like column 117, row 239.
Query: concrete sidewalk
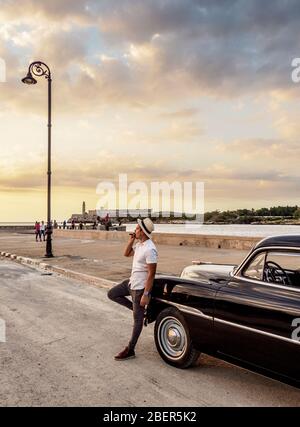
column 104, row 259
column 61, row 337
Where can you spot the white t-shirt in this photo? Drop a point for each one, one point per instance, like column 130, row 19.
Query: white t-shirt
column 144, row 253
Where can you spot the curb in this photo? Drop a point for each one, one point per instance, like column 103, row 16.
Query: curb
column 85, row 278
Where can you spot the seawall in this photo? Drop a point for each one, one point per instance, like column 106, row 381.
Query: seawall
column 17, row 228
column 174, row 239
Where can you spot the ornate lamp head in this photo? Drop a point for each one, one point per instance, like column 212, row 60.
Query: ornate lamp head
column 37, row 69
column 29, row 80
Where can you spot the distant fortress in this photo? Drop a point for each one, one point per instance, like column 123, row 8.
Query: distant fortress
column 114, row 214
column 124, row 215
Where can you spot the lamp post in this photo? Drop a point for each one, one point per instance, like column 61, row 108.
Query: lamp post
column 40, row 69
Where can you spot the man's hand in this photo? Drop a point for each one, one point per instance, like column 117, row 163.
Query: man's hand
column 132, row 237
column 148, row 285
column 128, row 250
column 145, row 300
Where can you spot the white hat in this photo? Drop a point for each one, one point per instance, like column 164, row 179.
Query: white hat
column 146, row 225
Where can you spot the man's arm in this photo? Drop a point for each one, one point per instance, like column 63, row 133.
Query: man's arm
column 149, row 283
column 129, row 250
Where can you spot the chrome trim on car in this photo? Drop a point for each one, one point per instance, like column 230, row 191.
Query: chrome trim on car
column 191, row 310
column 259, row 282
column 290, row 340
column 238, row 272
column 185, row 309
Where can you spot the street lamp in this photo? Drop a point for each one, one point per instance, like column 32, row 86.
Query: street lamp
column 40, row 69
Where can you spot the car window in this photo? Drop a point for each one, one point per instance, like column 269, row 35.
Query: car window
column 255, row 269
column 282, row 267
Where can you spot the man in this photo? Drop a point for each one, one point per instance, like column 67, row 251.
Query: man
column 107, row 222
column 42, row 229
column 140, row 283
column 37, row 228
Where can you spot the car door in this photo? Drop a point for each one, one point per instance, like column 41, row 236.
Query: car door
column 256, row 321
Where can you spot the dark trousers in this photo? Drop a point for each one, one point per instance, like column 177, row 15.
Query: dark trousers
column 119, row 294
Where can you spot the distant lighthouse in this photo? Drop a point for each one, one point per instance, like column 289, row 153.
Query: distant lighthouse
column 83, row 208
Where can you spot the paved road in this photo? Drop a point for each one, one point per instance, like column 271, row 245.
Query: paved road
column 104, row 258
column 61, row 338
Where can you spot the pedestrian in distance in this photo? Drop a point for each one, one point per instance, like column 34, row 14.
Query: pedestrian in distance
column 42, row 230
column 37, row 229
column 140, row 283
column 107, row 222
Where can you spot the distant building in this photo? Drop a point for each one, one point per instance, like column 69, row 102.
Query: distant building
column 117, row 214
column 167, row 214
column 121, row 213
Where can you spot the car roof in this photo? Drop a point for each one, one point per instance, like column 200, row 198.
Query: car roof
column 288, row 240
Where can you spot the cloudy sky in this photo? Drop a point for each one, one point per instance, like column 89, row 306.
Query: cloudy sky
column 163, row 90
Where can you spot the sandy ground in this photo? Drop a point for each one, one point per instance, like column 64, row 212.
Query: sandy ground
column 105, row 258
column 61, row 339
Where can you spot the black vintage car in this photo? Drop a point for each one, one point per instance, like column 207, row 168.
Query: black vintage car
column 247, row 314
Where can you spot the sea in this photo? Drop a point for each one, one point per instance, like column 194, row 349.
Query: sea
column 247, row 230
column 252, row 230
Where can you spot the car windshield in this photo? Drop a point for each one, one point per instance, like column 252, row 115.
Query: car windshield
column 255, row 269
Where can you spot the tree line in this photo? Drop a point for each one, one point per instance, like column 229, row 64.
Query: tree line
column 253, row 215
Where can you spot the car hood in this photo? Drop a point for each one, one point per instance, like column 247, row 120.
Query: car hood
column 207, row 271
